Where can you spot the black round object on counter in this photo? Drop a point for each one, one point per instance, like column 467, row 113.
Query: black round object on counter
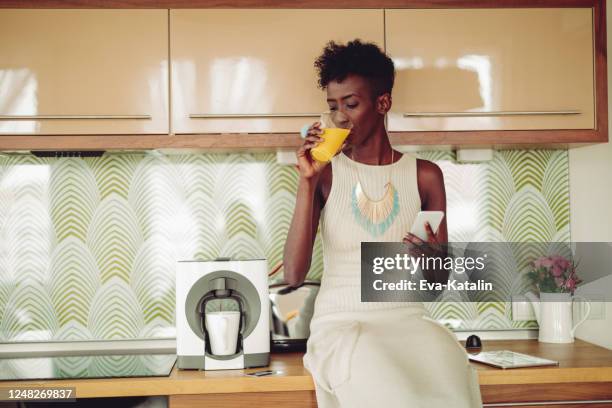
column 473, row 342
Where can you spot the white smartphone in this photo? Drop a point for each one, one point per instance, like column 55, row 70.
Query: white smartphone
column 434, row 218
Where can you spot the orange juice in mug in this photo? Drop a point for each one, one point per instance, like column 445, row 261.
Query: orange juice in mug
column 333, row 136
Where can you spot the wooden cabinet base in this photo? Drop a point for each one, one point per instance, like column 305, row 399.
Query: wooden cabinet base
column 494, row 394
column 552, row 139
column 285, row 399
column 577, row 405
column 539, row 393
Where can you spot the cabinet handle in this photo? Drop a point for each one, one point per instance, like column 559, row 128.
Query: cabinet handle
column 62, row 117
column 498, row 113
column 252, row 115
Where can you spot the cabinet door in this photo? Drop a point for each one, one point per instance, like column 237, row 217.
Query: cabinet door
column 492, row 69
column 83, row 71
column 238, row 71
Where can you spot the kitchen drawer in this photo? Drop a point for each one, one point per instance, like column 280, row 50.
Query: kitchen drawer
column 534, row 394
column 587, row 404
column 285, row 399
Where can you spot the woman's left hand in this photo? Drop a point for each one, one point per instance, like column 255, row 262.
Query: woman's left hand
column 431, row 247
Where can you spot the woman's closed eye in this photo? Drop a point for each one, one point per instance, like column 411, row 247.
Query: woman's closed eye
column 348, row 105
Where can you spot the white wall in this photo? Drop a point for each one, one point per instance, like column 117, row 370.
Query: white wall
column 591, row 203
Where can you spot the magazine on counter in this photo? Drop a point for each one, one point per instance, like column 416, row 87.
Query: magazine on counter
column 510, row 359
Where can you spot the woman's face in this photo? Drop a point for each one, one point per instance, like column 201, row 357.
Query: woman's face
column 352, row 99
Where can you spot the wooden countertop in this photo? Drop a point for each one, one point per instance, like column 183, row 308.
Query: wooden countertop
column 580, row 362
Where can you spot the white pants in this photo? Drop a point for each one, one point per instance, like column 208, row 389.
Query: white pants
column 389, row 358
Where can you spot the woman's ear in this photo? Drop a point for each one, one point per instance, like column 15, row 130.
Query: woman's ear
column 383, row 103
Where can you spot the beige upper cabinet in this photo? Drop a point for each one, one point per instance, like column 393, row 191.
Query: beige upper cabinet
column 83, row 72
column 491, row 69
column 252, row 71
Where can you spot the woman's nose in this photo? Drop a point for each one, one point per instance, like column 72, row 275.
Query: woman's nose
column 341, row 119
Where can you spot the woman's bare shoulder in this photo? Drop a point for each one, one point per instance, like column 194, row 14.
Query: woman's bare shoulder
column 429, row 178
column 429, row 171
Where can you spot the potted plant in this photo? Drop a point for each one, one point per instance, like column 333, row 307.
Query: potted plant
column 556, row 279
column 554, row 274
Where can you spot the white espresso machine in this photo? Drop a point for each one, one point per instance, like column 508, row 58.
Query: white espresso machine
column 242, row 282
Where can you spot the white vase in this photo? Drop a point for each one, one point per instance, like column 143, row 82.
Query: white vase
column 554, row 314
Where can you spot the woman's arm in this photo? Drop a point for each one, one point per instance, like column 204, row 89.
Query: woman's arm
column 433, row 198
column 297, row 254
column 435, row 195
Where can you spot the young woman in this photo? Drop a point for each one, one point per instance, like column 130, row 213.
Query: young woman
column 364, row 354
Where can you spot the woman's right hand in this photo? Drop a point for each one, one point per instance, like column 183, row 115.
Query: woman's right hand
column 308, row 167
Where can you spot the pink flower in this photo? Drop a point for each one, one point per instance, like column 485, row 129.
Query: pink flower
column 547, row 262
column 571, row 284
column 561, row 261
column 557, row 271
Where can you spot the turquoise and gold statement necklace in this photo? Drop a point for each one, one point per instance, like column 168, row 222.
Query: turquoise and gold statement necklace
column 375, row 216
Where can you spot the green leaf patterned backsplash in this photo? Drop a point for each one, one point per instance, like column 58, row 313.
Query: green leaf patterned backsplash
column 88, row 246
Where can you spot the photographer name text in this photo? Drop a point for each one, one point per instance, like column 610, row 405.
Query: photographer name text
column 424, row 284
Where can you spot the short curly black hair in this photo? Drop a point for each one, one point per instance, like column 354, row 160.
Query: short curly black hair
column 359, row 58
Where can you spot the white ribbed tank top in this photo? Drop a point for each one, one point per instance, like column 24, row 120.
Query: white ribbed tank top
column 342, row 234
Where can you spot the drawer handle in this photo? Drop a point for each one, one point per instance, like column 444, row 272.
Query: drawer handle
column 62, row 117
column 498, row 113
column 252, row 115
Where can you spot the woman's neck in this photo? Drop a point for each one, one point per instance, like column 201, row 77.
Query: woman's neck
column 375, row 150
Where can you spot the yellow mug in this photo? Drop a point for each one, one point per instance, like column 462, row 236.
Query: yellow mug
column 332, row 142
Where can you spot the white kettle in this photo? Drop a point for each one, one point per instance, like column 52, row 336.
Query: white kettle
column 553, row 312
